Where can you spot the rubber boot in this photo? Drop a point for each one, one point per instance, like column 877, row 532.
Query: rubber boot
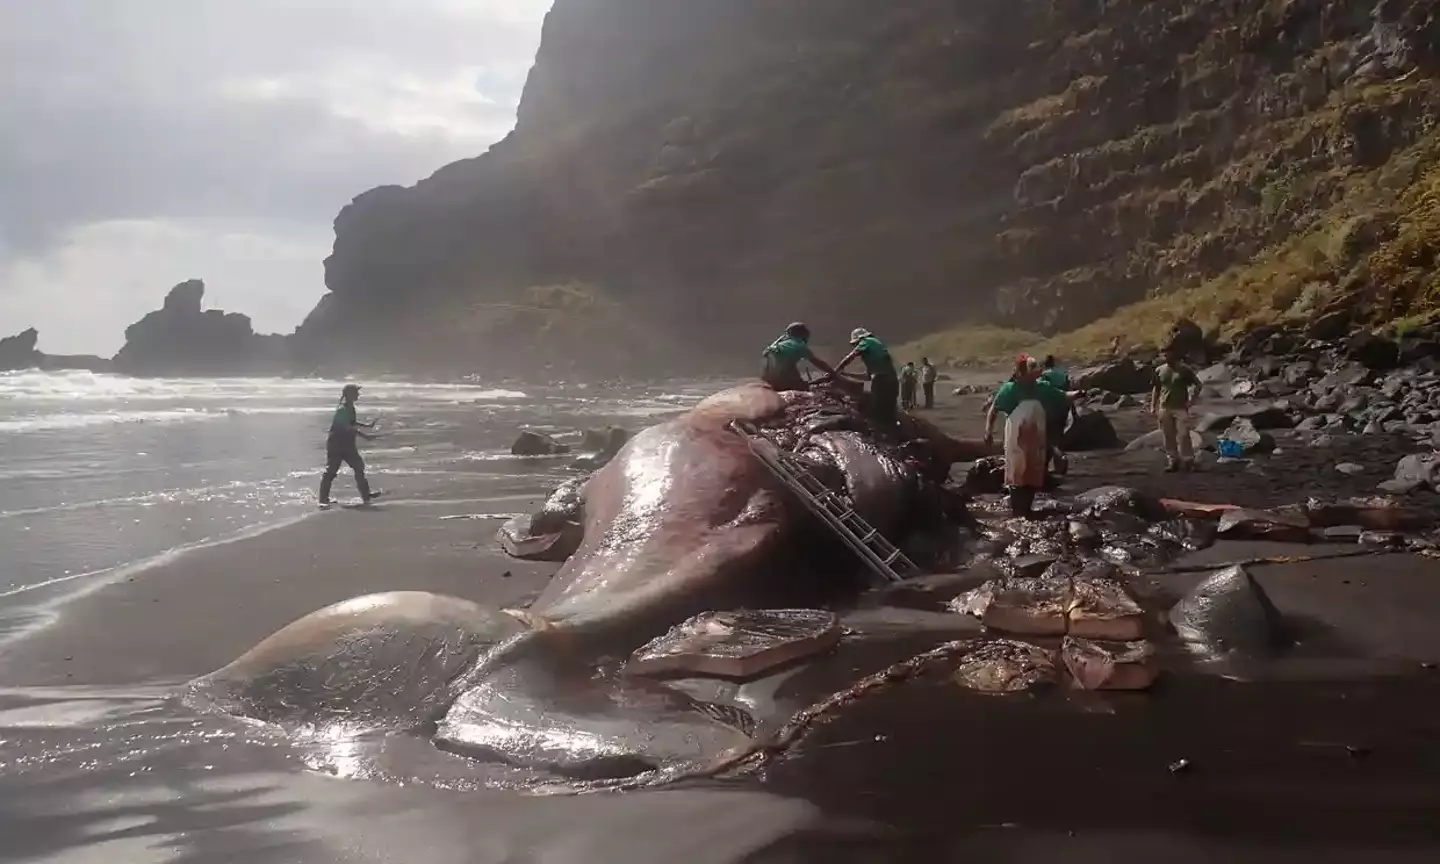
column 325, row 483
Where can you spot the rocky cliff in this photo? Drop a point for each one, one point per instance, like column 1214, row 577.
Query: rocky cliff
column 181, row 338
column 685, row 178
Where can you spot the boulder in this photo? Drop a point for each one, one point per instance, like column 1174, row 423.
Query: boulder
column 531, row 443
column 18, row 351
column 1261, row 417
column 1416, row 471
column 1120, row 376
column 1242, row 431
column 1091, row 430
column 611, row 438
column 1372, row 351
column 1186, row 337
column 1330, row 326
column 1156, row 441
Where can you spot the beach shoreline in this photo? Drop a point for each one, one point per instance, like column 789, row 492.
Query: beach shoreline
column 906, row 776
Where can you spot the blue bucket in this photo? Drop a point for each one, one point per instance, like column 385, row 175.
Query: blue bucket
column 1229, row 449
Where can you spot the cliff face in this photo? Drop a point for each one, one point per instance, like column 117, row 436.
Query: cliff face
column 685, row 178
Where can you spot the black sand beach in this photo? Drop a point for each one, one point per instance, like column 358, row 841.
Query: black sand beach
column 1330, row 753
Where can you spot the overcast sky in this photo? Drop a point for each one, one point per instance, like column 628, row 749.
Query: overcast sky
column 145, row 142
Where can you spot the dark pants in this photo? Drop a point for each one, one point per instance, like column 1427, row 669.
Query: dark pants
column 929, row 388
column 907, row 394
column 1054, row 441
column 884, row 393
column 338, row 451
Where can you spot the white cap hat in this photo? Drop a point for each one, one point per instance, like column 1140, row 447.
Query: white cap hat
column 857, row 334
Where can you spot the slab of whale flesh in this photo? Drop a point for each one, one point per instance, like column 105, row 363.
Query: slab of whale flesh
column 1101, row 608
column 1110, row 665
column 737, row 644
column 1030, row 606
column 1006, row 666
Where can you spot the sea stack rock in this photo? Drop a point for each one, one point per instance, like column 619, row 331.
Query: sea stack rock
column 18, row 351
column 182, row 339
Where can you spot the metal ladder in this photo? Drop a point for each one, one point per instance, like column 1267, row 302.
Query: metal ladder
column 888, row 563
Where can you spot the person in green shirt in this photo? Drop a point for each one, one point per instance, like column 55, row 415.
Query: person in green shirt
column 1021, row 387
column 782, row 359
column 1175, row 387
column 1057, row 377
column 341, row 446
column 1060, row 380
column 909, row 376
column 884, row 382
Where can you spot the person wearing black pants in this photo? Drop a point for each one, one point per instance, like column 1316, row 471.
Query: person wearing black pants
column 341, row 447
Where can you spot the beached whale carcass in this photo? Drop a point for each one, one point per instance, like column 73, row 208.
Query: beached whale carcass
column 683, row 521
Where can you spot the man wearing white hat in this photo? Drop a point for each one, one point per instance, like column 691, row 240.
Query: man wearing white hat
column 884, row 382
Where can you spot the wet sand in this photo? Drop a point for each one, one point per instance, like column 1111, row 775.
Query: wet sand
column 1333, row 753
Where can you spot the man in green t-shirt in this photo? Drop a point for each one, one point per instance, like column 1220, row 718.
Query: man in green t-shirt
column 341, row 446
column 783, row 357
column 1171, row 395
column 884, row 382
column 1052, row 373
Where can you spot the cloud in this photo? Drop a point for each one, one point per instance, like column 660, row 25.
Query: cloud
column 181, row 126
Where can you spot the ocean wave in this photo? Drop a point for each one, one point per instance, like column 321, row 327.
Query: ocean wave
column 92, row 386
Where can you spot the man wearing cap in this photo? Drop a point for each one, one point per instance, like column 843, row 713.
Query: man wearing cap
column 782, row 359
column 884, row 382
column 341, row 446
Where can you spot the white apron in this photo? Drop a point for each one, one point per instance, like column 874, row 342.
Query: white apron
column 1025, row 450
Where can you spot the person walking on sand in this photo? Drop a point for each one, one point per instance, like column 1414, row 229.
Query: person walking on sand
column 1028, row 402
column 908, row 377
column 884, row 383
column 341, row 446
column 927, row 381
column 1175, row 387
column 782, row 359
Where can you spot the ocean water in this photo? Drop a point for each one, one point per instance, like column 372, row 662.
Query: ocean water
column 99, row 472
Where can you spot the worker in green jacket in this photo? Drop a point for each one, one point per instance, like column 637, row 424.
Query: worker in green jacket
column 782, row 359
column 884, row 381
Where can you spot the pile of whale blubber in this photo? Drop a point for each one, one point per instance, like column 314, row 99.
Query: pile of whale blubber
column 1102, row 625
column 1110, row 665
column 1090, row 604
column 737, row 644
column 1006, row 666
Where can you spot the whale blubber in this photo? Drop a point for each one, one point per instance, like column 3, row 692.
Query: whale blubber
column 740, row 644
column 1100, row 608
column 1095, row 665
column 1033, row 606
column 1006, row 666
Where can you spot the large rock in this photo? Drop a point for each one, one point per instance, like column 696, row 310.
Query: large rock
column 1242, row 431
column 1416, row 471
column 18, row 351
column 1156, row 441
column 1120, row 376
column 182, row 339
column 532, row 443
column 1372, row 351
column 1091, row 430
